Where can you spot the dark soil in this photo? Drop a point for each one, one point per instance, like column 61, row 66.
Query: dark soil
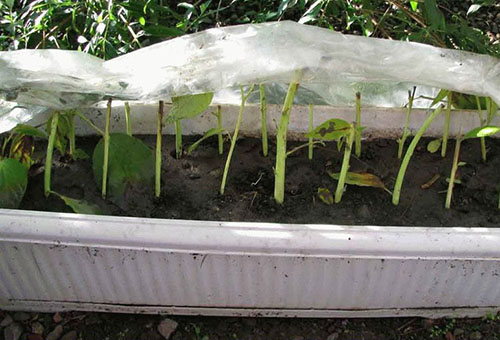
column 190, row 188
column 101, row 326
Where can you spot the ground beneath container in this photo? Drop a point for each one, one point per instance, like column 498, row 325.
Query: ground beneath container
column 190, row 188
column 100, row 326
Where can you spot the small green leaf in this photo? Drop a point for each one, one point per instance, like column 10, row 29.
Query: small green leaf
column 414, row 5
column 325, row 196
column 363, row 179
column 332, row 129
column 80, row 154
column 13, row 183
column 461, row 163
column 189, row 106
column 484, row 131
column 142, row 21
column 440, row 96
column 473, row 8
column 131, row 168
column 27, row 130
column 80, row 206
column 434, row 145
column 207, row 134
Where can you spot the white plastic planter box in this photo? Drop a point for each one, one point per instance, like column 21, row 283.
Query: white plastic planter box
column 56, row 261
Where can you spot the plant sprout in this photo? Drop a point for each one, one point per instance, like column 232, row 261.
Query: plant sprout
column 106, row 149
column 50, row 150
column 338, row 130
column 446, row 128
column 220, row 139
column 409, row 153
column 480, row 132
column 244, row 98
column 482, row 122
column 178, row 138
column 159, row 128
column 127, row 119
column 263, row 118
column 406, row 132
column 281, row 135
column 310, row 111
column 358, row 123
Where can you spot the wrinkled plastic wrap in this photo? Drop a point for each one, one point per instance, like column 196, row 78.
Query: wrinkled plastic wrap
column 330, row 67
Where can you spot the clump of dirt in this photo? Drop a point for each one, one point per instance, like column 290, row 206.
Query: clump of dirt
column 190, row 188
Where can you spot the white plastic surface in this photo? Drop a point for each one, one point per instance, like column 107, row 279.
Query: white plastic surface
column 330, row 67
column 56, row 261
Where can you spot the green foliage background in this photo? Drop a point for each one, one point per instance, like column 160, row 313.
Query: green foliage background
column 110, row 28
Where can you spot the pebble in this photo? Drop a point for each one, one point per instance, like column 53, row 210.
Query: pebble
column 37, row 328
column 57, row 317
column 475, row 336
column 6, row 321
column 56, row 333
column 69, row 336
column 13, row 331
column 166, row 327
column 333, row 336
column 458, row 331
column 21, row 316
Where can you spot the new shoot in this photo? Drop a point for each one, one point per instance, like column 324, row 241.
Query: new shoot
column 220, row 138
column 106, row 149
column 406, row 132
column 158, row 159
column 244, row 98
column 281, row 136
column 340, row 131
column 480, row 132
column 358, row 123
column 311, row 128
column 263, row 118
column 446, row 128
column 50, row 151
column 482, row 122
column 406, row 160
column 127, row 119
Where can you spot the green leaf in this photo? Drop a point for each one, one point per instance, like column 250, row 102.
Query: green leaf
column 483, row 131
column 80, row 154
column 27, row 130
column 162, row 31
column 332, row 129
column 79, row 206
column 131, row 168
column 207, row 134
column 13, row 183
column 325, row 196
column 440, row 96
column 434, row 145
column 414, row 5
column 461, row 163
column 189, row 106
column 142, row 21
column 433, row 15
column 21, row 149
column 362, row 179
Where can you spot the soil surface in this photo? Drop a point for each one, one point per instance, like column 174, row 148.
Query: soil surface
column 190, row 186
column 101, row 326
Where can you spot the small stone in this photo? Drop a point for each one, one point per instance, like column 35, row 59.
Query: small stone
column 167, row 327
column 57, row 317
column 475, row 336
column 56, row 333
column 37, row 328
column 194, row 175
column 21, row 316
column 216, row 172
column 6, row 321
column 69, row 336
column 458, row 331
column 13, row 331
column 333, row 336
